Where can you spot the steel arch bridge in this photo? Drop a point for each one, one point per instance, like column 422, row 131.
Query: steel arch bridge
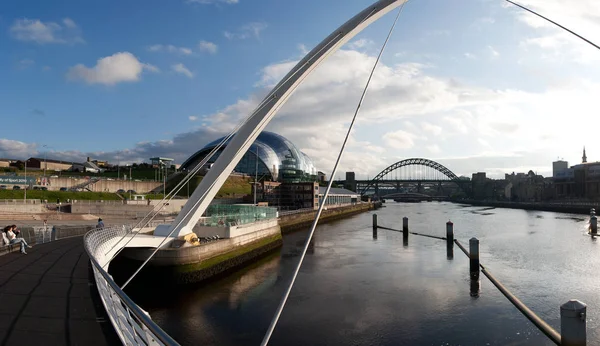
column 418, row 170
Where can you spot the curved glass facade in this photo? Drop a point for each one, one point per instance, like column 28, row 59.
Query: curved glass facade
column 278, row 159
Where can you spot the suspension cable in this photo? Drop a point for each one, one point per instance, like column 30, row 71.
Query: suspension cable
column 322, row 203
column 555, row 23
column 271, row 96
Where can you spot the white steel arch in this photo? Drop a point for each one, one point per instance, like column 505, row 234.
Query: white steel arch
column 258, row 120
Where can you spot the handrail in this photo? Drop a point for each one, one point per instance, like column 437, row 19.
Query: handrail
column 132, row 324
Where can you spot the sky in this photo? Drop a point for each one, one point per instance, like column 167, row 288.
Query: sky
column 476, row 85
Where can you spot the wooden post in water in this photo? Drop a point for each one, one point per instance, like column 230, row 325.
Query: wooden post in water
column 594, row 225
column 573, row 323
column 449, row 233
column 449, row 240
column 405, row 230
column 474, row 257
column 374, row 226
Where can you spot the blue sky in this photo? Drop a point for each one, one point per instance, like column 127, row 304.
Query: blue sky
column 477, row 85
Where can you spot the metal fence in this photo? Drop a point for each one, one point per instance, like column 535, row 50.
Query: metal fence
column 132, row 324
column 222, row 215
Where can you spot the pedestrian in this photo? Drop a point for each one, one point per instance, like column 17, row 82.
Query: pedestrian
column 100, row 223
column 12, row 238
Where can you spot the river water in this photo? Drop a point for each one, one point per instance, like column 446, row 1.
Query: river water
column 356, row 290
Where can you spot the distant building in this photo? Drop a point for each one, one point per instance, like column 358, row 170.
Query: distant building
column 99, row 163
column 48, row 164
column 5, row 163
column 350, row 183
column 321, row 177
column 581, row 181
column 271, row 157
column 558, row 167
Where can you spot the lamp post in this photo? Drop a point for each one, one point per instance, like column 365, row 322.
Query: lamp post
column 256, row 175
column 45, row 154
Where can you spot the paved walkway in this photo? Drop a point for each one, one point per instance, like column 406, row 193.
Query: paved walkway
column 49, row 297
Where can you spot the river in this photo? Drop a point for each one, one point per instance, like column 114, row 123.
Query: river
column 356, row 290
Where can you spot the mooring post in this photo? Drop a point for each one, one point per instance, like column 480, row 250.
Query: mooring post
column 449, row 233
column 449, row 240
column 573, row 323
column 374, row 226
column 594, row 224
column 405, row 230
column 474, row 257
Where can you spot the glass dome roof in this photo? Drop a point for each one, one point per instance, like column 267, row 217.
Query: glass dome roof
column 278, row 156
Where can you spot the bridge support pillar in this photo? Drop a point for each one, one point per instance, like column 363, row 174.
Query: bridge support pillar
column 474, row 258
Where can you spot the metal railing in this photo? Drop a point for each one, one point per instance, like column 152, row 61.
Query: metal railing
column 132, row 324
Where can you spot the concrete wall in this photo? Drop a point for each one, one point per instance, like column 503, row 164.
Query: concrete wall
column 21, row 208
column 104, row 185
column 233, row 231
column 197, row 254
column 292, row 222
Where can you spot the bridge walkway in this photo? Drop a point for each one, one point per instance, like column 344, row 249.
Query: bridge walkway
column 49, row 297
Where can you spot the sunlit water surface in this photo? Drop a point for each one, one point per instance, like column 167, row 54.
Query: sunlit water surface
column 356, row 290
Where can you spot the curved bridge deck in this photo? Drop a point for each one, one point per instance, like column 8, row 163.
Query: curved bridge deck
column 49, row 297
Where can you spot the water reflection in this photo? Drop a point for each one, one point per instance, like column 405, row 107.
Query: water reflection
column 475, row 288
column 450, row 251
column 354, row 290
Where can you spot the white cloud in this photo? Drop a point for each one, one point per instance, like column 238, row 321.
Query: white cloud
column 399, row 139
column 25, row 63
column 180, row 68
column 170, row 48
column 434, row 148
column 110, row 70
column 581, row 16
column 193, row 118
column 250, row 30
column 206, row 46
column 493, row 52
column 361, row 43
column 470, row 56
column 16, row 149
column 34, row 30
column 432, row 129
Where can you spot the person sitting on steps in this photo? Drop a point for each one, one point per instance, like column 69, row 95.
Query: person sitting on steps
column 12, row 238
column 100, row 224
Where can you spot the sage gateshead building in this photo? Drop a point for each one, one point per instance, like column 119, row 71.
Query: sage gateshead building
column 271, row 157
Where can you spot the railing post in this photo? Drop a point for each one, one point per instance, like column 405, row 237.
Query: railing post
column 474, row 257
column 573, row 323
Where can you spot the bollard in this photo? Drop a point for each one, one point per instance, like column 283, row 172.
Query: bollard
column 474, row 257
column 374, row 226
column 405, row 224
column 572, row 323
column 594, row 225
column 449, row 233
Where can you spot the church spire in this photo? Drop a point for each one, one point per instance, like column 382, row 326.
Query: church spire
column 584, row 158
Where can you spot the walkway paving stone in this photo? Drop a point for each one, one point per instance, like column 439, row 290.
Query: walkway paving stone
column 49, row 297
